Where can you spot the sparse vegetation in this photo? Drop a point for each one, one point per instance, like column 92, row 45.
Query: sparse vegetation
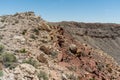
column 68, row 50
column 1, row 48
column 31, row 61
column 9, row 60
column 72, row 68
column 100, row 66
column 8, row 57
column 42, row 76
column 92, row 79
column 53, row 53
column 23, row 50
column 71, row 77
column 1, row 73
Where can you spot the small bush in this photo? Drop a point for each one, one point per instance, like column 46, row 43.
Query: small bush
column 72, row 68
column 10, row 65
column 23, row 50
column 42, row 75
column 71, row 76
column 1, row 48
column 31, row 61
column 9, row 60
column 53, row 53
column 1, row 73
column 7, row 57
column 92, row 79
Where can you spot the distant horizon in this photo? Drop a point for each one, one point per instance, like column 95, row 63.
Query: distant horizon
column 61, row 20
column 87, row 11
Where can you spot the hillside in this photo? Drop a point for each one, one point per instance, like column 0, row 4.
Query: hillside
column 105, row 37
column 34, row 49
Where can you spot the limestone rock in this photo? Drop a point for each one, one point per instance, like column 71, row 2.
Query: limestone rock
column 25, row 72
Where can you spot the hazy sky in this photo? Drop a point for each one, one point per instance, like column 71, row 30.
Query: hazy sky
column 66, row 10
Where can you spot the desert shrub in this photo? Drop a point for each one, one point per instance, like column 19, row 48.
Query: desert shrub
column 9, row 60
column 42, row 76
column 72, row 68
column 31, row 61
column 53, row 53
column 10, row 65
column 92, row 79
column 7, row 57
column 23, row 50
column 100, row 66
column 71, row 77
column 1, row 73
column 1, row 48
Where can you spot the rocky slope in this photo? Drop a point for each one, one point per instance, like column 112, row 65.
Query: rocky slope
column 34, row 49
column 105, row 37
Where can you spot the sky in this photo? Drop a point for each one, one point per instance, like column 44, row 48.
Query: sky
column 104, row 11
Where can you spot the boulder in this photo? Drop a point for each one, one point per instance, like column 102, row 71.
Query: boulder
column 73, row 48
column 45, row 49
column 42, row 59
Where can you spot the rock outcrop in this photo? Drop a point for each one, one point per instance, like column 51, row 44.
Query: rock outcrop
column 25, row 72
column 105, row 37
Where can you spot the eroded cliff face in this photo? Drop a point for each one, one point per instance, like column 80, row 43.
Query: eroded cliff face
column 34, row 49
column 105, row 37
